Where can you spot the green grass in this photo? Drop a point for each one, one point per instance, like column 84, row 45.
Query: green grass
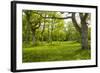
column 57, row 51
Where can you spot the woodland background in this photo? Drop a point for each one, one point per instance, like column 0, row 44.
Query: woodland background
column 55, row 36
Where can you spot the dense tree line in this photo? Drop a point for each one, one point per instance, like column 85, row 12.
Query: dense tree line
column 48, row 26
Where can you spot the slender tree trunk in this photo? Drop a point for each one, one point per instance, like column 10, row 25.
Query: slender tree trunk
column 52, row 26
column 33, row 37
column 28, row 32
column 28, row 28
column 48, row 33
column 84, row 36
column 42, row 33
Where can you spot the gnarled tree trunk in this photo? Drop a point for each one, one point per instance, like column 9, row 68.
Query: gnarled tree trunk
column 83, row 30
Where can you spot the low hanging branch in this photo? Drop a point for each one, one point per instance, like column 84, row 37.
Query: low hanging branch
column 53, row 16
column 78, row 28
column 58, row 17
column 67, row 17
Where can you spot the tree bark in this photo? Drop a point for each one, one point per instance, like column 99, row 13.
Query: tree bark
column 84, row 30
column 84, row 36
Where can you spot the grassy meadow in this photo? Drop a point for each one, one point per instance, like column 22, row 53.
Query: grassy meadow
column 55, row 51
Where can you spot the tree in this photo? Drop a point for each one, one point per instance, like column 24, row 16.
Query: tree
column 83, row 30
column 43, row 28
column 33, row 23
column 46, row 21
column 26, row 25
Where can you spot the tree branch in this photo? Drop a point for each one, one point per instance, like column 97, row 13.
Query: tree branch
column 85, row 16
column 53, row 17
column 58, row 17
column 39, row 24
column 81, row 16
column 75, row 23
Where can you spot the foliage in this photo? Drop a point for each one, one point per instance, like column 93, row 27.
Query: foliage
column 57, row 51
column 48, row 37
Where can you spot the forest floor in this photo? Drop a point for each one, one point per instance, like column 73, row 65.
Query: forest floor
column 55, row 51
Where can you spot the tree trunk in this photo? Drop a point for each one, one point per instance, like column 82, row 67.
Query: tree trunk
column 33, row 37
column 52, row 27
column 48, row 33
column 84, row 35
column 28, row 32
column 83, row 30
column 42, row 33
column 28, row 28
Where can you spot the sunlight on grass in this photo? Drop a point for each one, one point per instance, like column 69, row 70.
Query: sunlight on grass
column 57, row 51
